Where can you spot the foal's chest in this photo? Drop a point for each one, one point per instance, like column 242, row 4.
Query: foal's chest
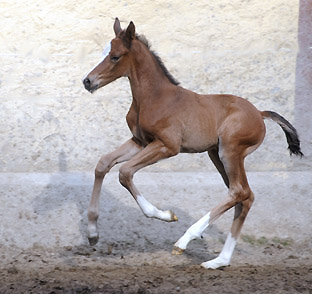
column 137, row 128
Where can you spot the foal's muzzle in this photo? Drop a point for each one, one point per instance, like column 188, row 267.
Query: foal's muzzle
column 90, row 85
column 87, row 85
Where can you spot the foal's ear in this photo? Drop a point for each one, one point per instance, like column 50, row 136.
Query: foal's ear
column 129, row 35
column 117, row 28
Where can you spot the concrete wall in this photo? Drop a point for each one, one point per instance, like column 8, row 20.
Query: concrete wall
column 48, row 122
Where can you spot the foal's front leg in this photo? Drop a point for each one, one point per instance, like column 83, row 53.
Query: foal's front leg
column 149, row 155
column 123, row 153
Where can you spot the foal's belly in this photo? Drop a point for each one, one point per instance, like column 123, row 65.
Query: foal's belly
column 198, row 143
column 199, row 133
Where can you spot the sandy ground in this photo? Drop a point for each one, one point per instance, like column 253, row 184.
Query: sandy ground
column 269, row 267
column 44, row 248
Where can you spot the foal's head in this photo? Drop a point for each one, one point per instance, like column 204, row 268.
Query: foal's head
column 116, row 60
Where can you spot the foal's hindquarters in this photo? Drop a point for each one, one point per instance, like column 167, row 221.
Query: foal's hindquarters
column 241, row 132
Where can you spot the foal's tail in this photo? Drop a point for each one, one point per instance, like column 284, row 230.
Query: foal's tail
column 289, row 130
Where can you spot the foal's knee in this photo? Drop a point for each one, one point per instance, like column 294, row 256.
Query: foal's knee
column 249, row 201
column 241, row 194
column 103, row 166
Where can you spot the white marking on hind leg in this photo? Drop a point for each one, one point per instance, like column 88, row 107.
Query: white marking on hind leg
column 151, row 211
column 224, row 257
column 195, row 231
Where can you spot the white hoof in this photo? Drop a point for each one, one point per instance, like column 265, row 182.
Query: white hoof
column 216, row 263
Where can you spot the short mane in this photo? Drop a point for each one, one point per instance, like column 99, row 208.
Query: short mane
column 143, row 40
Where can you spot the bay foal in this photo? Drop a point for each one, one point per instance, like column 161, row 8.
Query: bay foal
column 166, row 119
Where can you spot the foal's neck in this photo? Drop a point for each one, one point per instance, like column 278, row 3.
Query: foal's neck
column 146, row 77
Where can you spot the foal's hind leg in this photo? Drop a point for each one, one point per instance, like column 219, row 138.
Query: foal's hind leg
column 241, row 210
column 224, row 258
column 239, row 196
column 196, row 229
column 123, row 153
column 214, row 156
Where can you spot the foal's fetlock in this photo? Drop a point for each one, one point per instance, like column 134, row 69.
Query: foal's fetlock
column 218, row 262
column 167, row 216
column 180, row 246
column 93, row 234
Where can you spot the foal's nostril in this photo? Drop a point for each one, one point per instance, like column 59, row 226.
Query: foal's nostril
column 87, row 83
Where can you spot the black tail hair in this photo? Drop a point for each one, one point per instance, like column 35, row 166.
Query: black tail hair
column 290, row 132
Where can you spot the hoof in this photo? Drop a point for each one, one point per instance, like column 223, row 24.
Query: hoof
column 177, row 251
column 93, row 240
column 215, row 263
column 174, row 218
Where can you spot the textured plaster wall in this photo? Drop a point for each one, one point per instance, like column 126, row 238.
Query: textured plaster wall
column 48, row 122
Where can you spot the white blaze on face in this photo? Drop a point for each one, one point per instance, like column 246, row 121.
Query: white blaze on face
column 106, row 50
column 105, row 53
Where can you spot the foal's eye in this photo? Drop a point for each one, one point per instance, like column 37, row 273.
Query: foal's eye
column 115, row 58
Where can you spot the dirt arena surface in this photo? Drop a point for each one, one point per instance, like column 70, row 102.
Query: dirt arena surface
column 258, row 266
